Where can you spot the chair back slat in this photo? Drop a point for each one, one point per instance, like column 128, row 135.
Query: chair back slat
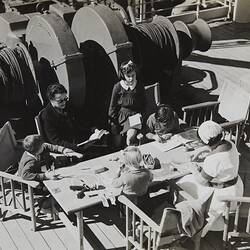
column 236, row 218
column 3, row 192
column 248, row 221
column 141, row 232
column 152, row 93
column 39, row 125
column 23, row 197
column 154, row 239
column 149, row 238
column 13, row 194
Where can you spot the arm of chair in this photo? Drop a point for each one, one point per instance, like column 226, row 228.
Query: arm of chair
column 232, row 123
column 124, row 200
column 200, row 105
column 33, row 184
column 234, row 199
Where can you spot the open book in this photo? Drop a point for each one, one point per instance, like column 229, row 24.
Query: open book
column 97, row 135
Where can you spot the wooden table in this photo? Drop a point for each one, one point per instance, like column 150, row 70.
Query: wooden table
column 73, row 175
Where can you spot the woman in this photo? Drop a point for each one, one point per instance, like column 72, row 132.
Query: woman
column 128, row 99
column 219, row 172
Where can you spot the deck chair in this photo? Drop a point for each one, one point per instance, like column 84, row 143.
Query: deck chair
column 14, row 196
column 153, row 98
column 39, row 126
column 238, row 234
column 159, row 236
column 232, row 105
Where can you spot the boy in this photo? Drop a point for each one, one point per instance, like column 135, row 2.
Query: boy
column 36, row 161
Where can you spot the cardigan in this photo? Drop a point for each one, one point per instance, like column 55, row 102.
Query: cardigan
column 62, row 128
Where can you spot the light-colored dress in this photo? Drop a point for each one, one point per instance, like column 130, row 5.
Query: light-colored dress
column 223, row 167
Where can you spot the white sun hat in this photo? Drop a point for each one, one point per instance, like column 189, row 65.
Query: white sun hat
column 208, row 130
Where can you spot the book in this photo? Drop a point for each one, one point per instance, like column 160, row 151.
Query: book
column 97, row 135
column 133, row 121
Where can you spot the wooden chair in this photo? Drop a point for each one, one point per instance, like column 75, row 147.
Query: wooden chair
column 14, row 196
column 153, row 98
column 232, row 105
column 39, row 126
column 157, row 236
column 237, row 236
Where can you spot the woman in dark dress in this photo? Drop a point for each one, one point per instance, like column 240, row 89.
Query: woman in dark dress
column 128, row 99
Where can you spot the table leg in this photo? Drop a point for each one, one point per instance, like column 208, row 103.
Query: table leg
column 79, row 216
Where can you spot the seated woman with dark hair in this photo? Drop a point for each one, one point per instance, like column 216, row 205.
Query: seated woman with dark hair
column 218, row 172
column 62, row 125
column 162, row 124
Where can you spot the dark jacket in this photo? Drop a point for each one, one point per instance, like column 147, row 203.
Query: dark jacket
column 30, row 167
column 61, row 129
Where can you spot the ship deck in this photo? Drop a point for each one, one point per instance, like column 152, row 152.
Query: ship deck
column 202, row 77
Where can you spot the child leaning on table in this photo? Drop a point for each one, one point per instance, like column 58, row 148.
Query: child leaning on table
column 133, row 177
column 36, row 161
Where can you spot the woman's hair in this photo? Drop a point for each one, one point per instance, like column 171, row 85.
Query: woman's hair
column 32, row 143
column 54, row 89
column 164, row 113
column 126, row 68
column 210, row 132
column 132, row 156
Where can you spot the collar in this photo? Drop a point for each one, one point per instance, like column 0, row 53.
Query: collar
column 126, row 87
column 33, row 156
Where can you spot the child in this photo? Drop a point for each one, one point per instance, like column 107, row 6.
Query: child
column 128, row 99
column 133, row 177
column 162, row 124
column 36, row 161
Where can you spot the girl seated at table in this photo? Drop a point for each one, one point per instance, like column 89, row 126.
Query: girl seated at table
column 219, row 172
column 162, row 124
column 133, row 177
column 128, row 99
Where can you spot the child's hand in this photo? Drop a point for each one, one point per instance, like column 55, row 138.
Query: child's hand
column 199, row 154
column 51, row 176
column 166, row 136
column 156, row 138
column 78, row 155
column 67, row 151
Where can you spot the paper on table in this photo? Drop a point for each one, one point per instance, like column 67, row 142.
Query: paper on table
column 174, row 142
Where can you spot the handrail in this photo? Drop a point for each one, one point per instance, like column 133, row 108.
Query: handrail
column 143, row 12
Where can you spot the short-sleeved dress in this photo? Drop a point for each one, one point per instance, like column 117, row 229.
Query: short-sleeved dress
column 223, row 167
column 125, row 103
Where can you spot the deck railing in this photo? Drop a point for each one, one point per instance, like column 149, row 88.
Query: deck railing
column 144, row 10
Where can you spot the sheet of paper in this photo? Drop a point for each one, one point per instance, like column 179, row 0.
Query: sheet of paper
column 174, row 142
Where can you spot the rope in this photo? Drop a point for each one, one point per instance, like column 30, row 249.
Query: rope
column 13, row 69
column 156, row 45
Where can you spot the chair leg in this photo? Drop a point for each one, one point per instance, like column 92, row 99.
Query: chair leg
column 32, row 208
column 197, row 240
